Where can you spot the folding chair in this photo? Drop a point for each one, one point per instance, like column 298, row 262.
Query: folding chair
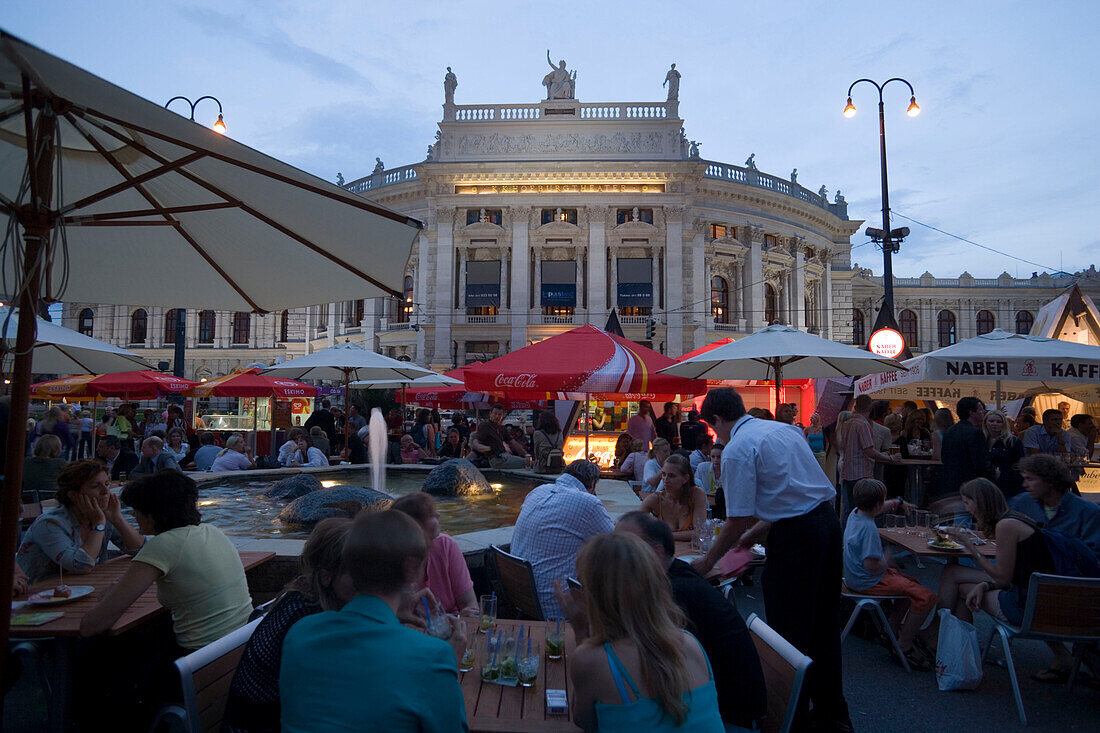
column 784, row 672
column 1058, row 608
column 874, row 605
column 517, row 580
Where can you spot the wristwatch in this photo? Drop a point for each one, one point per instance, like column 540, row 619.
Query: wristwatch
column 100, row 528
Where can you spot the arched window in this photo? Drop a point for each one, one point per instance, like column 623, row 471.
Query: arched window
column 907, row 324
column 771, row 305
column 206, row 327
column 859, row 329
column 87, row 322
column 139, row 322
column 985, row 322
column 1024, row 322
column 720, row 300
column 360, row 311
column 945, row 327
column 283, row 326
column 242, row 326
column 405, row 307
column 170, row 326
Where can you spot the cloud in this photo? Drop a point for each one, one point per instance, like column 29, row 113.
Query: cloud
column 870, row 55
column 276, row 44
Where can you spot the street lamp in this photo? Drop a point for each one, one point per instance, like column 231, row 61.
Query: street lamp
column 181, row 313
column 889, row 237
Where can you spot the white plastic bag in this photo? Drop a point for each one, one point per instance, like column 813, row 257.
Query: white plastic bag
column 958, row 655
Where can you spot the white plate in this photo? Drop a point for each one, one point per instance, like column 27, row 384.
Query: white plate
column 45, row 598
column 689, row 558
column 934, row 546
column 759, row 550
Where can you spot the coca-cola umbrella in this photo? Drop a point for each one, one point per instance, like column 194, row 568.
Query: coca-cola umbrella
column 459, row 397
column 580, row 364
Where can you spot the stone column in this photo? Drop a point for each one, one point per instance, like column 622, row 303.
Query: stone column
column 421, row 304
column 597, row 266
column 444, row 284
column 521, row 273
column 463, row 256
column 579, row 277
column 655, row 276
column 460, row 357
column 503, row 282
column 674, row 281
column 332, row 324
column 614, row 279
column 538, row 288
column 754, row 277
column 827, row 298
column 799, row 275
column 700, row 281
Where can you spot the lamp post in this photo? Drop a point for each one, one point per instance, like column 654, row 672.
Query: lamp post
column 181, row 313
column 889, row 238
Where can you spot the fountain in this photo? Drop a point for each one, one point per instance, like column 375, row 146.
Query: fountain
column 378, row 443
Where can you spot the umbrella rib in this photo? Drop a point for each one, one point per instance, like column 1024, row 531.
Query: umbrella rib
column 11, row 112
column 160, row 209
column 256, row 214
column 131, row 181
column 75, row 360
column 350, row 199
column 109, row 218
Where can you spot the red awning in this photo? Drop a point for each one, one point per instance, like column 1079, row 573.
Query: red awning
column 583, row 361
column 250, row 383
column 139, row 385
column 459, row 397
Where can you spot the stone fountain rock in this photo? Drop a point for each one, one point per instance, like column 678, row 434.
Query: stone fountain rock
column 456, row 477
column 338, row 501
column 293, row 487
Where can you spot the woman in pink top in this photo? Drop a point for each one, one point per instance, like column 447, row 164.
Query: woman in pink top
column 448, row 577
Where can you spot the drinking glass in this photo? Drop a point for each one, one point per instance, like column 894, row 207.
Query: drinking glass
column 488, row 613
column 888, row 521
column 490, row 661
column 506, row 651
column 924, row 520
column 529, row 658
column 555, row 639
column 469, row 654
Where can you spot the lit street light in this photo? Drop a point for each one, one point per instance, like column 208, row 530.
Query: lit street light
column 181, row 313
column 889, row 238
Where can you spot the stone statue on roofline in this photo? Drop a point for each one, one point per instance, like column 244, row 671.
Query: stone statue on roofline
column 559, row 83
column 823, row 192
column 672, row 79
column 450, row 82
column 794, row 176
column 750, row 162
column 379, row 166
column 838, row 199
column 694, row 151
column 339, row 179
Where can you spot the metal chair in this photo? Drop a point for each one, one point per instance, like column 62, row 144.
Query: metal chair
column 205, row 676
column 517, row 580
column 874, row 605
column 1058, row 608
column 784, row 672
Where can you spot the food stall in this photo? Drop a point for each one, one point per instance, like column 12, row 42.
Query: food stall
column 265, row 406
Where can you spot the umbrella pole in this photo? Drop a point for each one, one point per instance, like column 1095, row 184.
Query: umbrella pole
column 778, row 387
column 255, row 428
column 998, row 394
column 271, row 419
column 95, row 424
column 587, row 425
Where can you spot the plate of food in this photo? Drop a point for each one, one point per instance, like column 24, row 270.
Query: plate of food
column 59, row 594
column 942, row 543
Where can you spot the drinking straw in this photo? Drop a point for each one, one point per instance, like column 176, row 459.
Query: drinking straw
column 528, row 645
column 493, row 603
column 519, row 641
column 427, row 611
column 496, row 648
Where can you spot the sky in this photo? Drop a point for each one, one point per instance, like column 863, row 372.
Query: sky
column 1003, row 153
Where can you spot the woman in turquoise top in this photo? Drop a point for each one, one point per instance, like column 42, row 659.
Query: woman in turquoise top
column 638, row 669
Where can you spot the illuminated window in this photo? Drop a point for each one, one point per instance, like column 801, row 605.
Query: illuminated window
column 490, row 216
column 720, row 300
column 624, row 215
column 1024, row 322
column 945, row 328
column 405, row 308
column 566, row 215
column 770, row 241
column 907, row 324
column 206, row 327
column 771, row 305
column 139, row 322
column 985, row 322
column 717, row 231
column 242, row 327
column 87, row 321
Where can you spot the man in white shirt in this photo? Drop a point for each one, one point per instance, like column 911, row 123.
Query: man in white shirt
column 775, row 488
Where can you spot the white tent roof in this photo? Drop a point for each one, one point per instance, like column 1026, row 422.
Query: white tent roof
column 1021, row 364
column 158, row 210
column 432, row 380
column 59, row 350
column 348, row 361
column 799, row 355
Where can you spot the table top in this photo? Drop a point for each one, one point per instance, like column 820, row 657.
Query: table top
column 918, row 544
column 492, row 707
column 102, row 577
column 919, row 462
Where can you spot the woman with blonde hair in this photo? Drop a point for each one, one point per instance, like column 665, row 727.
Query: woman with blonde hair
column 658, row 454
column 235, row 456
column 638, row 669
column 1005, row 451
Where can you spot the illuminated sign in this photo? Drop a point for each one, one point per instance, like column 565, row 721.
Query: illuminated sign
column 886, row 342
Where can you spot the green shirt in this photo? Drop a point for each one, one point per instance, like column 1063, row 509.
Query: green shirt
column 359, row 669
column 203, row 583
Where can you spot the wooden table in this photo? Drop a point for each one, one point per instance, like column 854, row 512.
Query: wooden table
column 492, row 707
column 64, row 632
column 918, row 544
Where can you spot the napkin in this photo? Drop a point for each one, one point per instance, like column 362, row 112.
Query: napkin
column 734, row 562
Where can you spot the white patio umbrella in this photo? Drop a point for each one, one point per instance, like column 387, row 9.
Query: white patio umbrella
column 122, row 201
column 60, row 350
column 778, row 352
column 994, row 367
column 432, row 380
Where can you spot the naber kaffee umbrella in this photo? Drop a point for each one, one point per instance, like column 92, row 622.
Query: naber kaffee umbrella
column 120, row 201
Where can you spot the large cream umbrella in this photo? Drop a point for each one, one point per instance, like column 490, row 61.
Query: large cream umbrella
column 60, row 350
column 121, row 201
column 778, row 352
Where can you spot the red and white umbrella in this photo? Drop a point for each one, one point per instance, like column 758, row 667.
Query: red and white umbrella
column 250, row 383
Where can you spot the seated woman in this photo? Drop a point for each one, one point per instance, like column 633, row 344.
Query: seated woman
column 73, row 536
column 680, row 504
column 196, row 568
column 638, row 669
column 235, row 456
column 176, row 444
column 410, row 451
column 652, row 476
column 41, row 470
column 999, row 588
column 341, row 669
column 546, row 438
column 447, row 576
column 633, row 465
column 307, row 454
column 253, row 702
column 286, row 450
column 454, row 446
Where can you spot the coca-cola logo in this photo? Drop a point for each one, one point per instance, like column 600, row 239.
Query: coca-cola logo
column 518, row 381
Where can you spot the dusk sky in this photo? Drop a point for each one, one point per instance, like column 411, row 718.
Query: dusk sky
column 1002, row 154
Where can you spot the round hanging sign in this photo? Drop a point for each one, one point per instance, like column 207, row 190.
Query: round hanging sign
column 886, row 342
